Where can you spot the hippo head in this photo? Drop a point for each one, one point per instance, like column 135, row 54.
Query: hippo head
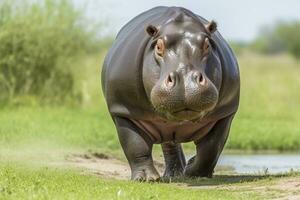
column 181, row 69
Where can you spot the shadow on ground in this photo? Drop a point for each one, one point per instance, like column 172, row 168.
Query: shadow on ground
column 218, row 180
column 222, row 179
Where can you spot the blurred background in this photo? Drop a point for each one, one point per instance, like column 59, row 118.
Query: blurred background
column 51, row 53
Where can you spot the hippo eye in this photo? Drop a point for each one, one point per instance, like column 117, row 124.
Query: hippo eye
column 160, row 47
column 206, row 46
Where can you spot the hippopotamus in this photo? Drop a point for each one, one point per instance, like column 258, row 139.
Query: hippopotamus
column 171, row 78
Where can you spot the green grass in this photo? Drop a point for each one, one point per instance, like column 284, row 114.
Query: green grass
column 268, row 117
column 64, row 126
column 33, row 136
column 45, row 183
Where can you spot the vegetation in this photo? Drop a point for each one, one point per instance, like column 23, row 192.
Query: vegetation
column 37, row 44
column 267, row 118
column 282, row 37
column 269, row 111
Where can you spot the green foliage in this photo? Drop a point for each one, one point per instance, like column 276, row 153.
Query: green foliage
column 289, row 34
column 267, row 119
column 268, row 42
column 283, row 36
column 37, row 44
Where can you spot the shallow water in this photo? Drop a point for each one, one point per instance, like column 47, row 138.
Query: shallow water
column 250, row 164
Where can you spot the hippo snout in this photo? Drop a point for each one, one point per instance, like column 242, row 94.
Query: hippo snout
column 192, row 93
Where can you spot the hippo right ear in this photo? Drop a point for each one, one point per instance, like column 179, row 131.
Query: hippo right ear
column 211, row 27
column 151, row 30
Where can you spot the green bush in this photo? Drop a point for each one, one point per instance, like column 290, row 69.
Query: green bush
column 289, row 34
column 282, row 37
column 269, row 41
column 38, row 41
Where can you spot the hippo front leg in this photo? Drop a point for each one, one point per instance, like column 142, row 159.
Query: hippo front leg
column 209, row 149
column 138, row 150
column 174, row 159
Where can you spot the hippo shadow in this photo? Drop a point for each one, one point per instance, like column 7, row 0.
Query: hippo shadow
column 220, row 180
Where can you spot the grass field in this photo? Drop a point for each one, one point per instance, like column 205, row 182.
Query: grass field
column 268, row 118
column 32, row 135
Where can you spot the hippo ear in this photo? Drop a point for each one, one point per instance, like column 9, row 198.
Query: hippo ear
column 211, row 27
column 151, row 30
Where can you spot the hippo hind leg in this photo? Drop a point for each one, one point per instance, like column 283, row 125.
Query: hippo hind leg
column 174, row 159
column 138, row 150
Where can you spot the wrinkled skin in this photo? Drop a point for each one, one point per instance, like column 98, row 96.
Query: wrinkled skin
column 170, row 78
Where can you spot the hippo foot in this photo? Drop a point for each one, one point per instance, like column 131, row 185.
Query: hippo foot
column 193, row 169
column 173, row 172
column 145, row 173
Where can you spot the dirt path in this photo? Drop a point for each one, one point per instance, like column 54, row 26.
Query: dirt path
column 107, row 167
column 103, row 165
column 100, row 164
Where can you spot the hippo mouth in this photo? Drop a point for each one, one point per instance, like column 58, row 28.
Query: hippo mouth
column 187, row 113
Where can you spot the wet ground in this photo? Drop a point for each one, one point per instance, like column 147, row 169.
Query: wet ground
column 261, row 163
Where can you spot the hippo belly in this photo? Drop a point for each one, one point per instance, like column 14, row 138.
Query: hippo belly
column 161, row 131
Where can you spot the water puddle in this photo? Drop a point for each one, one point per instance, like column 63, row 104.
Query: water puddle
column 262, row 163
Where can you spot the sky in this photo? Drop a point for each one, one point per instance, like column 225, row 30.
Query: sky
column 237, row 19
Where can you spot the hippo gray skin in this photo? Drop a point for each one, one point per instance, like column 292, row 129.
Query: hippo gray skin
column 171, row 78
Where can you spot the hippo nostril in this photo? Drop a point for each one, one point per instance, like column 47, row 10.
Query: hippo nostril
column 171, row 80
column 199, row 78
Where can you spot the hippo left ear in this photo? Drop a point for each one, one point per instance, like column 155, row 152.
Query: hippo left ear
column 152, row 30
column 211, row 27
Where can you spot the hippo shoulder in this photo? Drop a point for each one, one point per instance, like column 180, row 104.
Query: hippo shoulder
column 230, row 87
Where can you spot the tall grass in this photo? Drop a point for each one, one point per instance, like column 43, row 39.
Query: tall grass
column 38, row 41
column 268, row 117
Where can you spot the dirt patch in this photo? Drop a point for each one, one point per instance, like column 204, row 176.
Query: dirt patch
column 100, row 164
column 104, row 165
column 280, row 188
column 292, row 184
column 290, row 187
